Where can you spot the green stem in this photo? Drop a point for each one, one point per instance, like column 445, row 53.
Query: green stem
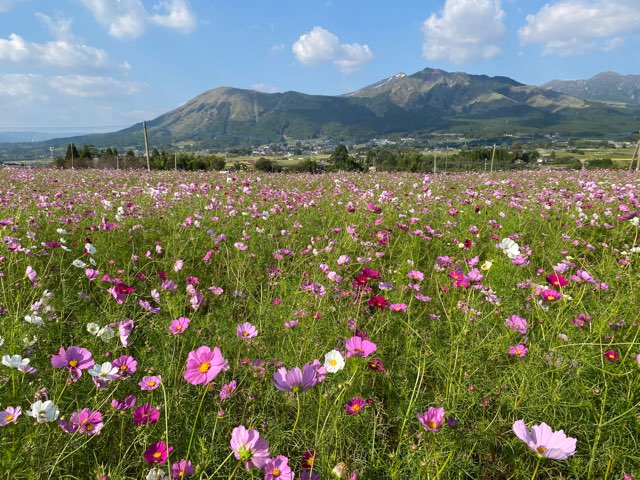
column 535, row 472
column 195, row 421
column 295, row 424
column 166, row 426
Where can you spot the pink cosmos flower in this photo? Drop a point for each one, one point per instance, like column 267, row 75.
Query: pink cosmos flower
column 126, row 365
column 182, row 469
column 85, row 421
column 518, row 351
column 32, row 275
column 227, row 390
column 360, row 347
column 296, row 380
column 416, row 275
column 203, row 365
column 125, row 404
column 125, row 327
column 150, row 382
column 179, row 325
column 157, row 453
column 249, row 447
column 9, row 415
column 519, row 324
column 278, row 469
column 145, row 414
column 544, row 441
column 398, row 307
column 75, row 359
column 246, row 331
column 432, row 419
column 355, row 405
column 91, row 274
column 120, row 291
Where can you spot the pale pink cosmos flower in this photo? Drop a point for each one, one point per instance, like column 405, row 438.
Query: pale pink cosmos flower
column 544, row 441
column 246, row 331
column 360, row 347
column 150, row 382
column 249, row 447
column 204, row 364
column 432, row 419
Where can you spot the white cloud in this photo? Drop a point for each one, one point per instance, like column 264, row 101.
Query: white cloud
column 63, row 101
column 6, row 5
column 265, row 87
column 129, row 18
column 174, row 14
column 464, row 31
column 571, row 27
column 277, row 48
column 59, row 53
column 58, row 28
column 320, row 46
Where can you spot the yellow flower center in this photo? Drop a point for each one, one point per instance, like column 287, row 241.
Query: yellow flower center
column 104, row 374
column 152, row 383
column 245, row 334
column 355, row 408
column 518, row 351
column 204, row 367
column 73, row 363
column 123, row 367
column 333, row 362
column 157, row 454
column 541, row 449
column 275, row 472
column 89, row 427
column 8, row 418
column 550, row 297
column 432, row 424
column 178, row 327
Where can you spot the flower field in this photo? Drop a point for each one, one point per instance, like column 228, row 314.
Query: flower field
column 380, row 326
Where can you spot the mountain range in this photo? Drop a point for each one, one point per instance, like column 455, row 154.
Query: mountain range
column 604, row 87
column 426, row 102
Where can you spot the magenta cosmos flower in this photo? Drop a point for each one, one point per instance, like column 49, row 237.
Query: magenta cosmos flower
column 360, row 347
column 126, row 365
column 550, row 295
column 157, row 453
column 544, row 441
column 611, row 355
column 145, row 414
column 75, row 359
column 246, row 331
column 355, row 405
column 179, row 325
column 182, row 469
column 203, row 365
column 278, row 468
column 150, row 382
column 249, row 447
column 556, row 280
column 296, row 380
column 432, row 419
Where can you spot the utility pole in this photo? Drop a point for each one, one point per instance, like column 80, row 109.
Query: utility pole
column 175, row 160
column 72, row 147
column 434, row 163
column 493, row 154
column 117, row 161
column 635, row 155
column 146, row 145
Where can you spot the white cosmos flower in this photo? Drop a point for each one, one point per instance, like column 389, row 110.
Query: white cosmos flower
column 106, row 334
column 14, row 361
column 34, row 319
column 43, row 412
column 93, row 328
column 156, row 474
column 90, row 248
column 333, row 361
column 78, row 263
column 61, row 231
column 635, row 221
column 104, row 371
column 510, row 248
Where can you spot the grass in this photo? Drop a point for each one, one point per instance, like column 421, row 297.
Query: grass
column 449, row 352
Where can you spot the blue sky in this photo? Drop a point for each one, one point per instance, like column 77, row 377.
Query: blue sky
column 100, row 65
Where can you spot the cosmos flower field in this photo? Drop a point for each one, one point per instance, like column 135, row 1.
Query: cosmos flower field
column 378, row 326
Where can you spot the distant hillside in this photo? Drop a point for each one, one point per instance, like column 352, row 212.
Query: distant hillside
column 428, row 101
column 604, row 87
